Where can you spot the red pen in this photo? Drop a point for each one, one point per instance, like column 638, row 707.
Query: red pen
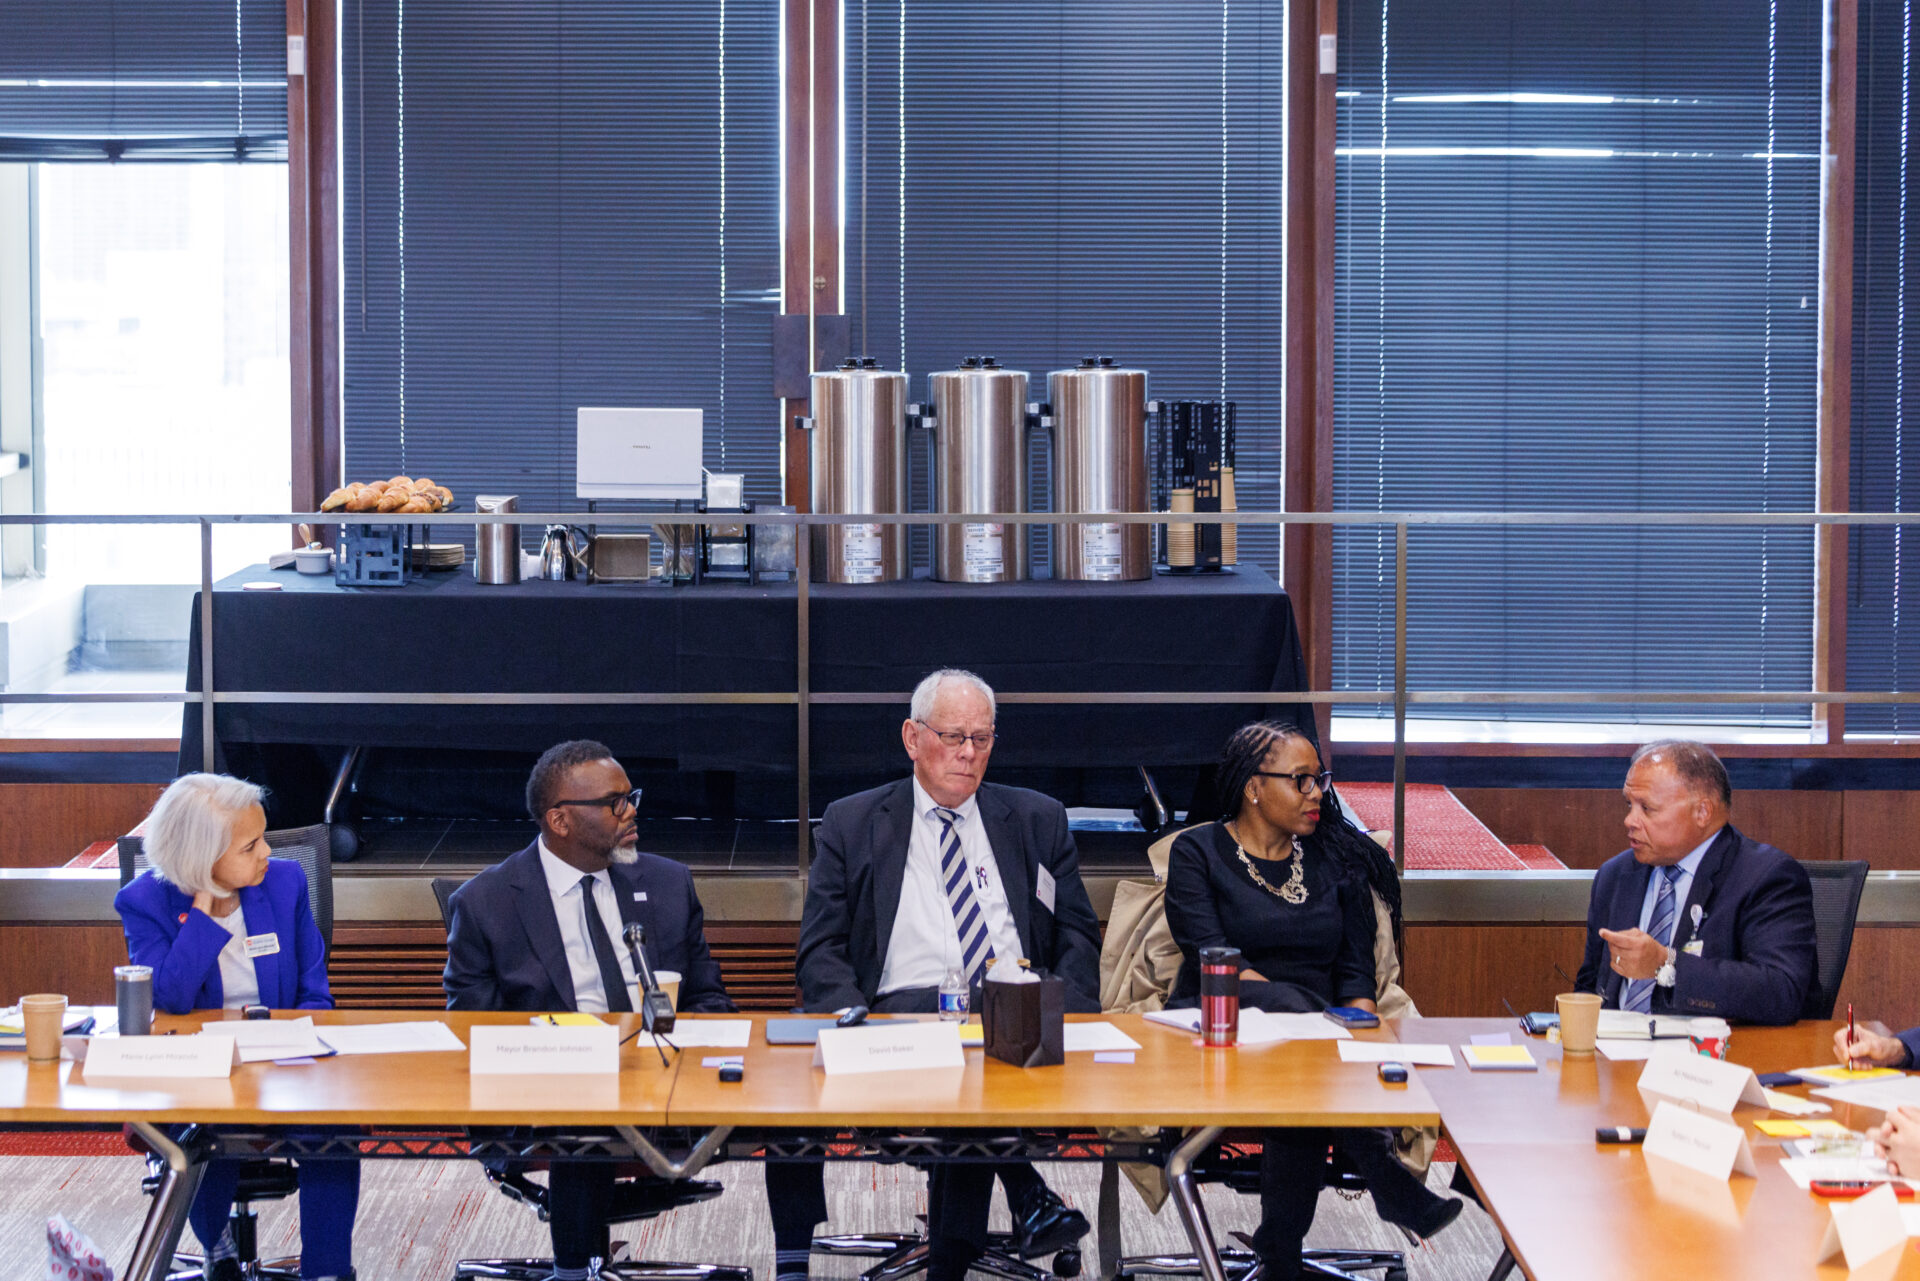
column 1849, row 1036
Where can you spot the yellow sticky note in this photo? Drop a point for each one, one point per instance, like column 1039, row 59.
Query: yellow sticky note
column 1783, row 1129
column 971, row 1033
column 1510, row 1057
column 569, row 1020
column 1846, row 1076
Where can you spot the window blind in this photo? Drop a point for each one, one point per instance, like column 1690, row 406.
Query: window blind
column 1043, row 182
column 1883, row 600
column 550, row 206
column 1576, row 270
column 134, row 80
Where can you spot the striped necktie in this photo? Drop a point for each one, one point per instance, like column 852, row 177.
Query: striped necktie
column 1639, row 993
column 975, row 950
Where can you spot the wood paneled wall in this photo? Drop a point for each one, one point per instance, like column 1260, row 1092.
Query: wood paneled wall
column 75, row 960
column 45, row 824
column 1584, row 827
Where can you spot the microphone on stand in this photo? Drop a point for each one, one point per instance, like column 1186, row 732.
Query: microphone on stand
column 656, row 1007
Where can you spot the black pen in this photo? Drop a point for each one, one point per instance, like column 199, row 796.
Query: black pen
column 1619, row 1134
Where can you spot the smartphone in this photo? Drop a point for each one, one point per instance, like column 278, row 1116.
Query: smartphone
column 1393, row 1073
column 1844, row 1189
column 1537, row 1023
column 1353, row 1016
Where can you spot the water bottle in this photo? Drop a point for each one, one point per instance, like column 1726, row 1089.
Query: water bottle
column 953, row 996
column 1219, row 996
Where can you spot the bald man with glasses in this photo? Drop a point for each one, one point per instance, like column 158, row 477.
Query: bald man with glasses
column 541, row 932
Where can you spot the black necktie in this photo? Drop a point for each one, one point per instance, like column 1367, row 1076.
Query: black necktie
column 611, row 979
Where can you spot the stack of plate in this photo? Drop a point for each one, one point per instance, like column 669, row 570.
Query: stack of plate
column 439, row 555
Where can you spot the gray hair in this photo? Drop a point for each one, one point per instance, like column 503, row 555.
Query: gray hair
column 925, row 692
column 192, row 824
column 1694, row 763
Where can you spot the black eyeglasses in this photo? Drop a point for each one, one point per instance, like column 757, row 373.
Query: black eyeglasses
column 982, row 741
column 629, row 801
column 1321, row 781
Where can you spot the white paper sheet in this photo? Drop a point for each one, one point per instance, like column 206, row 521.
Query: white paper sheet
column 1387, row 1052
column 1804, row 1170
column 1257, row 1027
column 1884, row 1095
column 391, row 1038
column 1625, row 1051
column 1097, row 1036
column 1491, row 1038
column 260, row 1040
column 710, row 1034
column 1793, row 1104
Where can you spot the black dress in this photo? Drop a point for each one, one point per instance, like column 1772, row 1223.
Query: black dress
column 1314, row 954
column 1324, row 945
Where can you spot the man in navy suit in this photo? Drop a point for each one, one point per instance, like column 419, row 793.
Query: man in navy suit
column 1695, row 918
column 542, row 930
column 934, row 873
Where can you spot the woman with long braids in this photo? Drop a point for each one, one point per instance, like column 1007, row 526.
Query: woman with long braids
column 1287, row 879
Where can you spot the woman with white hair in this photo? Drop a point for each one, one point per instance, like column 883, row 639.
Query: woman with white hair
column 223, row 926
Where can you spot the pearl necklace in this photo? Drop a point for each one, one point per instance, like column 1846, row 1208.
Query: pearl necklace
column 1295, row 890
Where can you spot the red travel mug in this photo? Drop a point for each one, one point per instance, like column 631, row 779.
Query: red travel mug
column 1220, row 995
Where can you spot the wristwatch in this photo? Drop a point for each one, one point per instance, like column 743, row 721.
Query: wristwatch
column 1665, row 976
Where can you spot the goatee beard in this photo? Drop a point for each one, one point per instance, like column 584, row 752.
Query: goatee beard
column 624, row 855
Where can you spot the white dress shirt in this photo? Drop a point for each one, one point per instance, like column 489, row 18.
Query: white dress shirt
column 1682, row 886
column 925, row 942
column 239, row 985
column 569, row 906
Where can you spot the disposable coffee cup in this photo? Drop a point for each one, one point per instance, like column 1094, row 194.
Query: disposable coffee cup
column 1579, row 1021
column 43, row 1014
column 669, row 981
column 1709, row 1037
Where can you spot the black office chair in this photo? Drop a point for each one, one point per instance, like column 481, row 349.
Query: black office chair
column 636, row 1198
column 263, row 1180
column 1836, row 904
column 904, row 1254
column 1237, row 1166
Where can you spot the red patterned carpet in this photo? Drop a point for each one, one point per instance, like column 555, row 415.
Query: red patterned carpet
column 1442, row 834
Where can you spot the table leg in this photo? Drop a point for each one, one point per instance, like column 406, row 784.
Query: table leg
column 160, row 1233
column 1186, row 1199
column 703, row 1152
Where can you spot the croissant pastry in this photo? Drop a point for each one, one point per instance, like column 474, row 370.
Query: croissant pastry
column 366, row 500
column 393, row 500
column 416, row 505
column 405, row 482
column 338, row 498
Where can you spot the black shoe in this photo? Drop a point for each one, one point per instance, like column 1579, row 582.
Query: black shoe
column 1044, row 1223
column 1438, row 1217
column 227, row 1269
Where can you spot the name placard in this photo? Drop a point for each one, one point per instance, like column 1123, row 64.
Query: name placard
column 544, row 1051
column 1697, row 1141
column 1864, row 1229
column 1677, row 1073
column 173, row 1057
column 889, row 1047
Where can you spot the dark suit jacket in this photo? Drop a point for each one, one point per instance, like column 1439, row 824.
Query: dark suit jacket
column 860, row 861
column 504, row 950
column 183, row 946
column 1756, row 925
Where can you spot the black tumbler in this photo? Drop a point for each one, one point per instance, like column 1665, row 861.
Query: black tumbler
column 1220, row 995
column 133, row 995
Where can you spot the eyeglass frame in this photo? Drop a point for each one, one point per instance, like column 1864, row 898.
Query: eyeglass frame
column 612, row 802
column 992, row 736
column 1323, row 781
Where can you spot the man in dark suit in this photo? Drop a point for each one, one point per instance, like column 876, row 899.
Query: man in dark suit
column 1696, row 919
column 542, row 931
column 934, row 874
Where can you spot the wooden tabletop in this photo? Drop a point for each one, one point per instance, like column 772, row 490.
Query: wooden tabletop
column 1570, row 1207
column 1172, row 1081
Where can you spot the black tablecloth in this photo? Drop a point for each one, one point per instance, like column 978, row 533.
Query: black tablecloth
column 447, row 633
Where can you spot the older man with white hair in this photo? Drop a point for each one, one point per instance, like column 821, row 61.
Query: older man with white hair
column 936, row 873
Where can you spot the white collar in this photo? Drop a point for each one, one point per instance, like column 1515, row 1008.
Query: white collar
column 562, row 875
column 924, row 805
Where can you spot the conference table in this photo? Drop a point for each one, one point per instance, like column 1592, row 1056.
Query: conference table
column 421, row 1105
column 1566, row 1206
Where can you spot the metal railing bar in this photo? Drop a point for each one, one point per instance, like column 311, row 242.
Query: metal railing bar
column 627, row 519
column 1400, row 698
column 207, row 743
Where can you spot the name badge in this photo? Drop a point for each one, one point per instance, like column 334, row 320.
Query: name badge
column 263, row 944
column 1043, row 887
column 1697, row 947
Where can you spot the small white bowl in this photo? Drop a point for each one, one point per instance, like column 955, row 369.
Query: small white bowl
column 313, row 560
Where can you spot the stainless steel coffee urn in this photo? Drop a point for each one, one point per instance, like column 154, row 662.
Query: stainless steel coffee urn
column 496, row 551
column 859, row 465
column 1099, row 465
column 979, row 426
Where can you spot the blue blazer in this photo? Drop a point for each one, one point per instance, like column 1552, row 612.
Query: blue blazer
column 183, row 945
column 1756, row 960
column 504, row 950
